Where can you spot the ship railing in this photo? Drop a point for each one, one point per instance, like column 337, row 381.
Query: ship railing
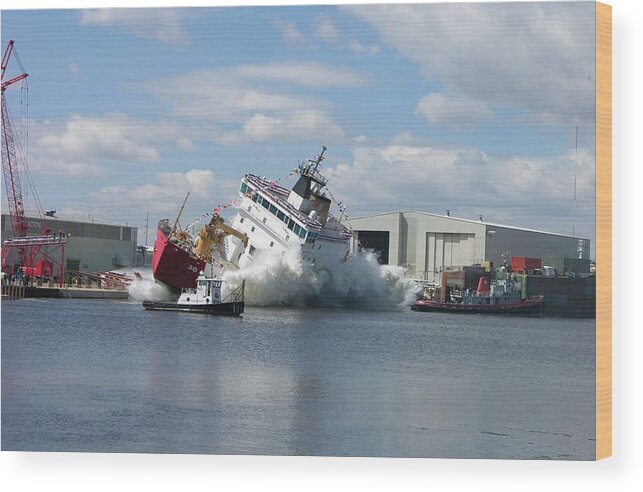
column 237, row 294
column 426, row 283
column 35, row 240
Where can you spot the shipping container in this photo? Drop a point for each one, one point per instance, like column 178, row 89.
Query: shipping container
column 521, row 264
column 568, row 265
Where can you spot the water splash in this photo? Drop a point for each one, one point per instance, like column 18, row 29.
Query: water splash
column 288, row 280
column 146, row 288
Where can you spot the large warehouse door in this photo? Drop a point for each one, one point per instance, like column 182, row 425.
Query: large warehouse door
column 447, row 250
column 377, row 241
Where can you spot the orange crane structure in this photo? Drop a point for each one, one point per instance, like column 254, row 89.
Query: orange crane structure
column 33, row 260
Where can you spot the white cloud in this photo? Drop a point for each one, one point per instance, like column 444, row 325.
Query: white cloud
column 534, row 56
column 362, row 49
column 243, row 103
column 532, row 192
column 47, row 165
column 81, row 145
column 291, row 34
column 159, row 24
column 86, row 138
column 326, row 30
column 405, row 138
column 196, row 181
column 291, row 127
column 438, row 108
column 162, row 197
column 220, row 98
column 304, row 73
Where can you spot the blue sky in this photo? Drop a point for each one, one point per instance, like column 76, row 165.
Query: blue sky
column 467, row 107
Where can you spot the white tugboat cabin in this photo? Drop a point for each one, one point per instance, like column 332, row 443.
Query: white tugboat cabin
column 207, row 291
column 206, row 298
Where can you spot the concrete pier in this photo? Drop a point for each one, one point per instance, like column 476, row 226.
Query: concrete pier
column 16, row 291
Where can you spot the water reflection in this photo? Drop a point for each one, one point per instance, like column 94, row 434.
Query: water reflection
column 288, row 381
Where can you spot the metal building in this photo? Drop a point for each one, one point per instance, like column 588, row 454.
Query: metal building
column 427, row 243
column 91, row 246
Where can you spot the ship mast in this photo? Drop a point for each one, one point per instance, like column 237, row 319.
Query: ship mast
column 176, row 222
column 311, row 169
column 320, row 158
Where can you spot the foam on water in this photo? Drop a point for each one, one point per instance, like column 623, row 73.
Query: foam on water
column 288, row 280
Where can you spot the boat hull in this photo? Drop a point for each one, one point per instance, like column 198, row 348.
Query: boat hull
column 173, row 266
column 530, row 306
column 222, row 309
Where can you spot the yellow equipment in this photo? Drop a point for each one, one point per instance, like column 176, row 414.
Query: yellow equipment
column 212, row 235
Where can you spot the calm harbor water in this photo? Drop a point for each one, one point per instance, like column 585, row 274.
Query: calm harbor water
column 108, row 376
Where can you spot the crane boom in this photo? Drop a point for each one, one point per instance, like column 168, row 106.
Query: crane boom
column 5, row 57
column 233, row 232
column 19, row 225
column 5, row 62
column 213, row 234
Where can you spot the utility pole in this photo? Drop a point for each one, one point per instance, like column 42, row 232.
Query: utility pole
column 147, row 224
column 575, row 171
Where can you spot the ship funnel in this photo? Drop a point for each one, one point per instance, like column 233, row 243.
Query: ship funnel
column 483, row 286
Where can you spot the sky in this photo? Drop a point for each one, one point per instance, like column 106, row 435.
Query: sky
column 472, row 108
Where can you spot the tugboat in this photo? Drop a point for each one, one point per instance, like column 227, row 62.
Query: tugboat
column 501, row 298
column 205, row 298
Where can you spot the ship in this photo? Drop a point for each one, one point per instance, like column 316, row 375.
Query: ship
column 174, row 261
column 205, row 298
column 500, row 298
column 179, row 258
column 269, row 218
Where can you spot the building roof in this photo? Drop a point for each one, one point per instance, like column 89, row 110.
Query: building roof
column 84, row 220
column 472, row 221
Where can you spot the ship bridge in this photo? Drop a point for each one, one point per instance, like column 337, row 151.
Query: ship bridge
column 274, row 199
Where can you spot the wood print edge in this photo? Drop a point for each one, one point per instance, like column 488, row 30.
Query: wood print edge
column 603, row 231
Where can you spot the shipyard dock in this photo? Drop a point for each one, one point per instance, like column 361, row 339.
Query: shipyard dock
column 16, row 291
column 569, row 294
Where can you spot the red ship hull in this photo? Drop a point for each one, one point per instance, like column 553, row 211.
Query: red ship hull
column 171, row 265
column 531, row 305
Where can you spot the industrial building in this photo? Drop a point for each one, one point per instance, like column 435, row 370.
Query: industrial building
column 427, row 244
column 91, row 246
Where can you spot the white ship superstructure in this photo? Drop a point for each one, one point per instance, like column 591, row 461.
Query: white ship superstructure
column 278, row 219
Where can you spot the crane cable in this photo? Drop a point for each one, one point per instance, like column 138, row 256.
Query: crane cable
column 25, row 166
column 23, row 139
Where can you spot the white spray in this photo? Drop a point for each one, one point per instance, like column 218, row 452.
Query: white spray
column 288, row 280
column 146, row 288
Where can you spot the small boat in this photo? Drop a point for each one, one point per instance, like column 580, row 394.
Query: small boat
column 499, row 299
column 204, row 298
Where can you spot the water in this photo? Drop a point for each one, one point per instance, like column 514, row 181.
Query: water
column 107, row 376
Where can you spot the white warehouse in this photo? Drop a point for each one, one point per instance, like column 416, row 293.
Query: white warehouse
column 427, row 243
column 92, row 246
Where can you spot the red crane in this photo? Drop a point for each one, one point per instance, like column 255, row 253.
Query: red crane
column 19, row 224
column 29, row 247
